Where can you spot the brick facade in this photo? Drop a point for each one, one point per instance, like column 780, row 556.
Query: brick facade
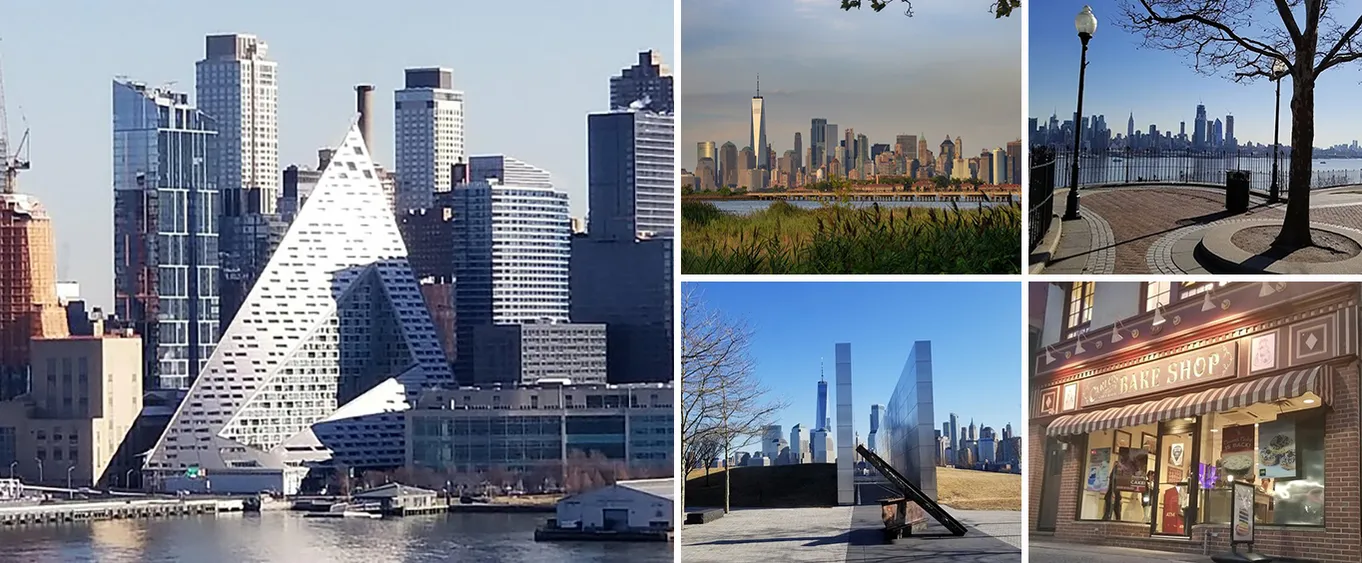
column 1339, row 541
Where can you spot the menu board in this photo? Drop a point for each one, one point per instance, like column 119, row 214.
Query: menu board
column 1242, row 529
column 1132, row 470
column 1277, row 449
column 1099, row 470
column 1237, row 451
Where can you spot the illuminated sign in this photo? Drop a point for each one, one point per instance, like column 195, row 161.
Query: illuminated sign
column 1181, row 370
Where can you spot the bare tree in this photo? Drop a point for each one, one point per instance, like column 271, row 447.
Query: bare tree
column 1242, row 39
column 721, row 398
column 999, row 9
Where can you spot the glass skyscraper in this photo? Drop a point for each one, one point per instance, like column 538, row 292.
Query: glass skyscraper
column 165, row 229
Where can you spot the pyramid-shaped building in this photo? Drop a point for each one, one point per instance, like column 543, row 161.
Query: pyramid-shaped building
column 330, row 346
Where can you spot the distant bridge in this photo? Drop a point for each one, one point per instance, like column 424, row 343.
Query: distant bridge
column 878, row 196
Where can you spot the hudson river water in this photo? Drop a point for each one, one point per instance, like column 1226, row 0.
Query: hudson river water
column 290, row 538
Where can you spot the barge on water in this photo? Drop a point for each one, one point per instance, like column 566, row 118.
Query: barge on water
column 626, row 511
column 57, row 512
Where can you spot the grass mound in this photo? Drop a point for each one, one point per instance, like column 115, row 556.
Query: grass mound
column 978, row 490
column 839, row 239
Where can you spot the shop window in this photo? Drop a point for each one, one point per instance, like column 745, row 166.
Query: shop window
column 1282, row 453
column 1118, row 470
column 1157, row 294
column 1078, row 309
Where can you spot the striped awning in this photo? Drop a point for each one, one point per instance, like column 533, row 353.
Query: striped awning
column 1317, row 380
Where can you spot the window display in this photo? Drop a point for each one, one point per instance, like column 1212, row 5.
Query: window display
column 1282, row 456
column 1117, row 476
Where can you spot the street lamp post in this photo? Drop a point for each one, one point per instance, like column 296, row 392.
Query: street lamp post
column 127, row 478
column 40, row 469
column 70, row 492
column 11, row 468
column 1086, row 23
column 1278, row 73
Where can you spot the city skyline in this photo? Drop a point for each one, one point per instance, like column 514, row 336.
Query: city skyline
column 787, row 343
column 1122, row 77
column 69, row 114
column 974, row 96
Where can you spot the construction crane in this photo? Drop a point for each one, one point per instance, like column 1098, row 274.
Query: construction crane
column 10, row 163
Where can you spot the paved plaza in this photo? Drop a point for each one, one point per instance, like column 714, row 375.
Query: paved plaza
column 1154, row 229
column 847, row 533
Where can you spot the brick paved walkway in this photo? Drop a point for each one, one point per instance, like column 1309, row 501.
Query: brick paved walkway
column 1150, row 229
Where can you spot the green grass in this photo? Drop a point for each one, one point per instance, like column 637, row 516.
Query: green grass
column 839, row 239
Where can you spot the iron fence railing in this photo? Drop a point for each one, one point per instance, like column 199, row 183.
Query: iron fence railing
column 1116, row 167
column 1040, row 194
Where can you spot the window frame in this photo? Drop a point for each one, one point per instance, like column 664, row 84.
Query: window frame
column 1080, row 327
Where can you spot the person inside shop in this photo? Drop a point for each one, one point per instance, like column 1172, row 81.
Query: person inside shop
column 1113, row 498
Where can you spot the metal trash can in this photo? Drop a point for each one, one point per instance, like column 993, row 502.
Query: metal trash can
column 1237, row 190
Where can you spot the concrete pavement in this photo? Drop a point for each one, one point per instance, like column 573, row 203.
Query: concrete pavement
column 847, row 534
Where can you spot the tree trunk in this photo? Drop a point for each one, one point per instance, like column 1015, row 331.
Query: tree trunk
column 1296, row 227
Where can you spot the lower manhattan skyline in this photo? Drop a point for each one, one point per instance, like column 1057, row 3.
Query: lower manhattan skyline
column 967, row 91
column 1162, row 87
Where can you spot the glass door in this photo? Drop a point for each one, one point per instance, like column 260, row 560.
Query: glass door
column 1174, row 501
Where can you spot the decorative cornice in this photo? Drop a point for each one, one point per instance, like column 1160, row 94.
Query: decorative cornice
column 1311, row 299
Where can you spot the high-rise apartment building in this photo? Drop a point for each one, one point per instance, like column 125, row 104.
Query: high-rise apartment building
column 238, row 87
column 631, row 174
column 165, row 234
column 646, row 85
column 798, row 151
column 429, row 135
column 29, row 307
column 329, row 347
column 512, row 237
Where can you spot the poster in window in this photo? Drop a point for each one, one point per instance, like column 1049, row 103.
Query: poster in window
column 1122, row 440
column 1176, row 453
column 1237, row 452
column 1277, row 449
column 1132, row 470
column 1099, row 470
column 1243, row 513
column 1070, row 396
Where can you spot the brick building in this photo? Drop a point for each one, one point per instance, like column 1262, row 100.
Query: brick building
column 1151, row 401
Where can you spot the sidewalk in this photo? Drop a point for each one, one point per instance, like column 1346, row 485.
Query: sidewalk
column 1154, row 229
column 1042, row 551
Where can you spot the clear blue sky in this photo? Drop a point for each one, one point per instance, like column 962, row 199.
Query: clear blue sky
column 530, row 69
column 975, row 329
column 953, row 69
column 1161, row 86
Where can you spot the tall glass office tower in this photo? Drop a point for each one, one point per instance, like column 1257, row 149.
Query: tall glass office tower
column 165, row 229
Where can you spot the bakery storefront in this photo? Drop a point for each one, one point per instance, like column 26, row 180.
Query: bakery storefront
column 1140, row 429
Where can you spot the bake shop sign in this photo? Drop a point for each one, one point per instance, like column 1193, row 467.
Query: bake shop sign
column 1181, row 370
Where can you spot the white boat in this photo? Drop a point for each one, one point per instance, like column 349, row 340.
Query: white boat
column 345, row 514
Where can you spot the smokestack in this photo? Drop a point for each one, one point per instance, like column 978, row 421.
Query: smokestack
column 364, row 104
